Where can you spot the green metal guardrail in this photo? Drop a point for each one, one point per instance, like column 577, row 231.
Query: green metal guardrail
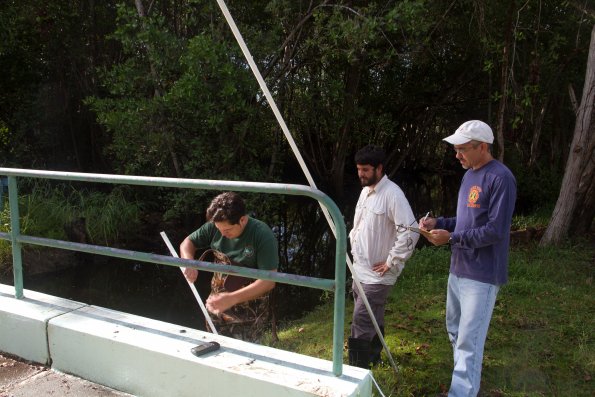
column 337, row 285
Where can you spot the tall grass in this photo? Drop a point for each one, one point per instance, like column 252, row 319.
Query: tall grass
column 540, row 342
column 5, row 249
column 46, row 209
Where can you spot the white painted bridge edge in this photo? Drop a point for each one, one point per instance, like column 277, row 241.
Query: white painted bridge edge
column 146, row 357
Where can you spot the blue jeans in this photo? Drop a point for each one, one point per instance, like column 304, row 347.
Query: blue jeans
column 469, row 307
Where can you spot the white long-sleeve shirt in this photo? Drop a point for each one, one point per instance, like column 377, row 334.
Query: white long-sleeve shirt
column 376, row 237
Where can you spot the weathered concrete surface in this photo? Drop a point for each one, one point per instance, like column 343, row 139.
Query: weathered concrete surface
column 24, row 379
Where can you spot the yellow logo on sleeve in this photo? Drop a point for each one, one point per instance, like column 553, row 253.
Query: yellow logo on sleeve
column 473, row 197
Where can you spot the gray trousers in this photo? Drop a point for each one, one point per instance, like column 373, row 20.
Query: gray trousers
column 361, row 324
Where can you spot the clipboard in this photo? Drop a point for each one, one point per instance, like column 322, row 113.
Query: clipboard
column 424, row 233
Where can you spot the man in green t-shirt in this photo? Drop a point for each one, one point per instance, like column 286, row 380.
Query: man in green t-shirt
column 243, row 240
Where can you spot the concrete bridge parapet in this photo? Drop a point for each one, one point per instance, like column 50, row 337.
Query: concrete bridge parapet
column 146, row 357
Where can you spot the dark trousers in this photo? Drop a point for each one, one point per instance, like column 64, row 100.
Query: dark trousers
column 361, row 324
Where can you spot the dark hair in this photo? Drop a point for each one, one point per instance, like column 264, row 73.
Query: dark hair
column 477, row 143
column 371, row 154
column 228, row 206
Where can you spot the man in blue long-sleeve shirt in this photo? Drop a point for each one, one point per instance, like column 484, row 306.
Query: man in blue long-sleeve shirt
column 479, row 236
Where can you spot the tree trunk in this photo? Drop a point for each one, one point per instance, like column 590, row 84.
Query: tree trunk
column 578, row 176
column 506, row 66
column 585, row 208
column 585, row 213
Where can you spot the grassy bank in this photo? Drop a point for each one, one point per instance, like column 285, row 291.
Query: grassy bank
column 540, row 343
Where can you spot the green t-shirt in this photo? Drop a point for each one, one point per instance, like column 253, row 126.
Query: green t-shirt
column 256, row 247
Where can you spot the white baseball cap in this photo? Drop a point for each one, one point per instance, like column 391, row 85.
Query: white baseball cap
column 473, row 130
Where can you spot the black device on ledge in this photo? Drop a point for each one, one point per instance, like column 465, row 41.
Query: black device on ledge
column 205, row 348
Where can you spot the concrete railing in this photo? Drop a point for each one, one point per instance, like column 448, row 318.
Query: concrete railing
column 149, row 358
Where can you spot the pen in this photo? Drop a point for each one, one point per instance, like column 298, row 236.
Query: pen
column 425, row 217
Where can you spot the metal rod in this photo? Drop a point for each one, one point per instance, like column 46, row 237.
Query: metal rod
column 191, row 285
column 339, row 274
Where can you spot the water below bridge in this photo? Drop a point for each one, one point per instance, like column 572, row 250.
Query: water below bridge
column 150, row 290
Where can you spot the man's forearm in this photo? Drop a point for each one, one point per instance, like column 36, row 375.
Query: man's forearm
column 252, row 291
column 187, row 249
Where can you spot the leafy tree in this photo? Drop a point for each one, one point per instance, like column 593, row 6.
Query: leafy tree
column 20, row 77
column 49, row 52
column 186, row 102
column 174, row 96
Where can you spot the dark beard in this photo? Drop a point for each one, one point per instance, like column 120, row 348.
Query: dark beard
column 372, row 181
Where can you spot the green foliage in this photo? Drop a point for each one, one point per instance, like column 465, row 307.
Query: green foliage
column 4, row 136
column 398, row 74
column 48, row 51
column 537, row 187
column 187, row 103
column 173, row 95
column 110, row 217
column 21, row 74
column 179, row 205
column 5, row 246
column 539, row 343
column 178, row 96
column 538, row 220
column 47, row 210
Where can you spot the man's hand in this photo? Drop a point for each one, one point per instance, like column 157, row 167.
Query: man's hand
column 218, row 303
column 190, row 273
column 381, row 268
column 438, row 236
column 426, row 223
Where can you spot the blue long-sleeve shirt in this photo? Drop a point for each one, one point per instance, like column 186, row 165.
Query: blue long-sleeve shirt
column 480, row 233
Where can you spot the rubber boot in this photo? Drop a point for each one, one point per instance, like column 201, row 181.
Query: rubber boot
column 359, row 352
column 376, row 347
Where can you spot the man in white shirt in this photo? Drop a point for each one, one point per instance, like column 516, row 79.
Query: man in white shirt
column 380, row 245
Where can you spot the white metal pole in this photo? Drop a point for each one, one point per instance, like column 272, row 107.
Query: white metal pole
column 191, row 285
column 296, row 152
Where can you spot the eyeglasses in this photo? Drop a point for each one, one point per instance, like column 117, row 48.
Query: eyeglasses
column 463, row 150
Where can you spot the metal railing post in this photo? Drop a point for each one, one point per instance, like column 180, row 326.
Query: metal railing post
column 15, row 232
column 339, row 315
